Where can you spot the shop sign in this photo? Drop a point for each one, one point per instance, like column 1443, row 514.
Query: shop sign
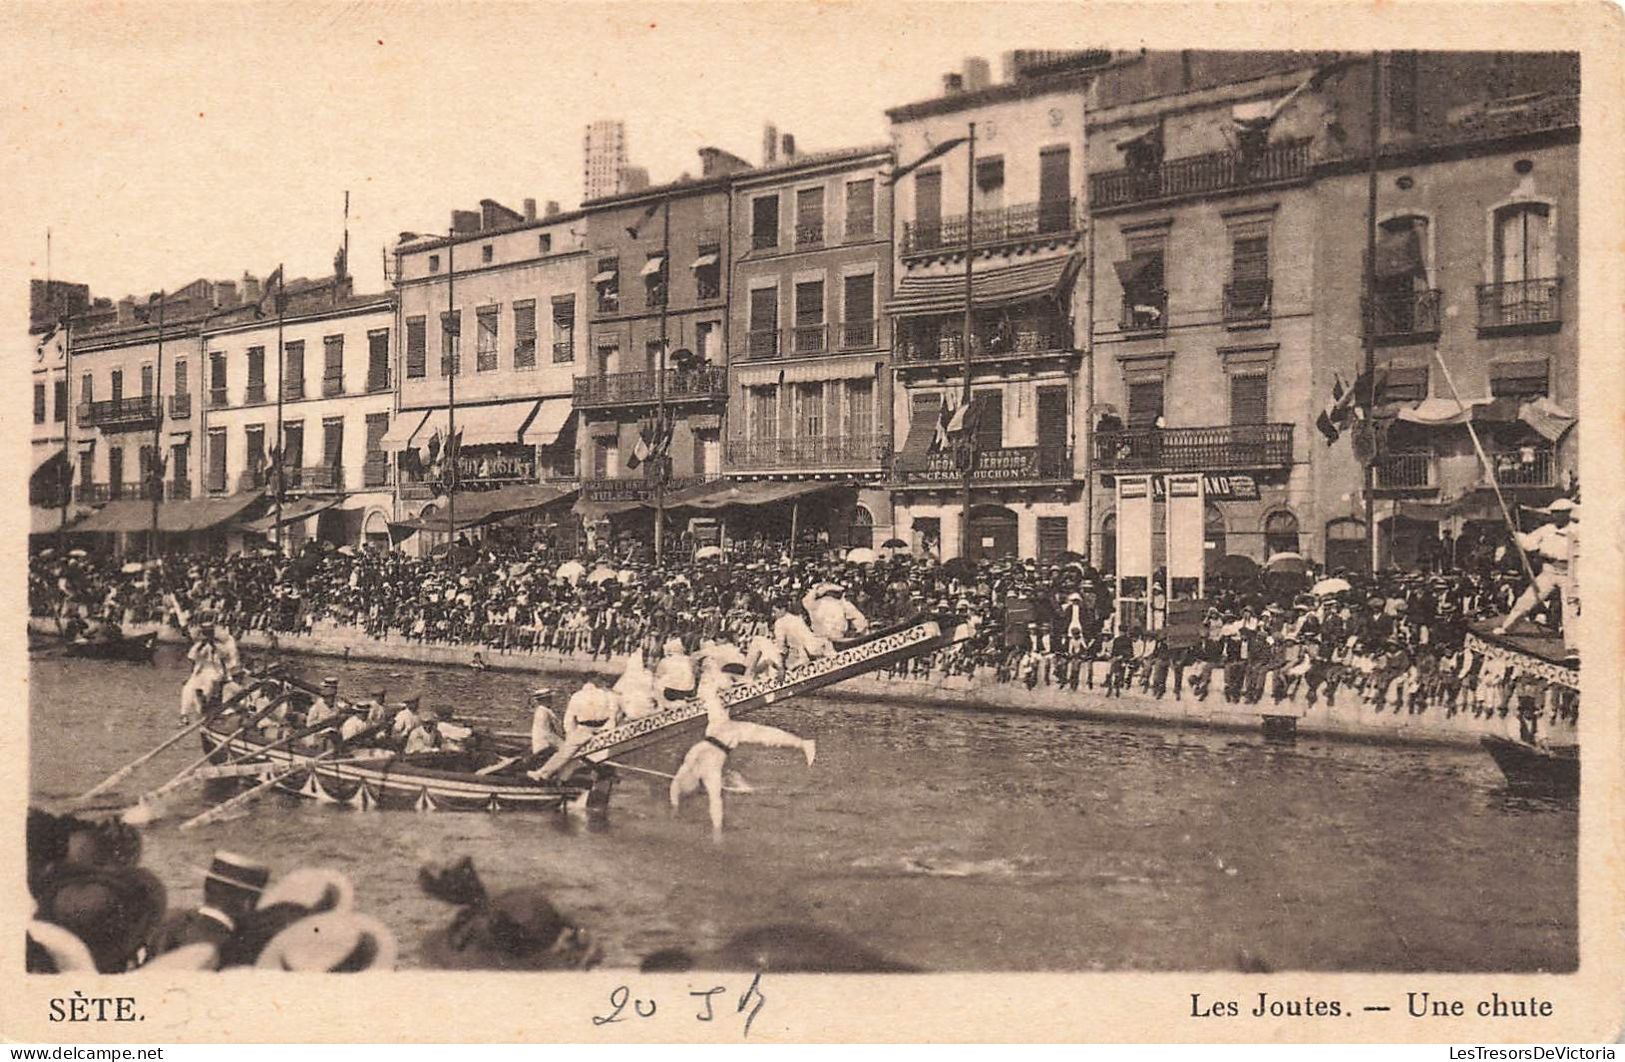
column 1217, row 486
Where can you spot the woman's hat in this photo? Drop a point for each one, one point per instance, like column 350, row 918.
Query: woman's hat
column 517, row 930
column 317, row 889
column 332, row 942
column 53, row 949
column 114, row 910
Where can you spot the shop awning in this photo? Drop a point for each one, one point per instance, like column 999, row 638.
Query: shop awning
column 194, row 514
column 42, row 521
column 476, row 508
column 43, row 455
column 725, row 494
column 1549, row 420
column 709, row 258
column 653, row 266
column 917, row 444
column 292, row 513
column 1002, row 286
column 597, row 510
column 604, row 277
column 434, row 423
column 544, row 427
column 815, row 371
column 500, row 423
column 1479, row 503
column 400, row 431
column 1545, row 417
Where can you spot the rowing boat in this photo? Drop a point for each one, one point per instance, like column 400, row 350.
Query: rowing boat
column 135, row 648
column 1531, row 768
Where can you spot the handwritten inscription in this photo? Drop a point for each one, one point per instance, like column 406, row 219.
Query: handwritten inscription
column 624, row 1006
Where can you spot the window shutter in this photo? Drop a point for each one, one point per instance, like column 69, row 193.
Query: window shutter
column 1144, row 403
column 1249, row 399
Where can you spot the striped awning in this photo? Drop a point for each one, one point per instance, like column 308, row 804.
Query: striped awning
column 544, row 427
column 812, row 371
column 499, row 423
column 193, row 514
column 1003, row 286
column 402, row 428
column 292, row 513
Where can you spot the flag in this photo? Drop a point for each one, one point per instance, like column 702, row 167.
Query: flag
column 945, row 417
column 1333, row 418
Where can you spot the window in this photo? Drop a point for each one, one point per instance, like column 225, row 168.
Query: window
column 990, row 183
column 87, row 388
column 544, row 243
column 524, row 334
column 810, row 217
column 1525, row 290
column 115, row 471
column 858, row 324
column 708, row 273
column 608, row 282
column 451, row 329
column 1247, row 296
column 60, row 414
column 1402, row 303
column 1052, row 540
column 1520, row 379
column 860, row 209
column 1145, row 295
column 1346, row 547
column 217, row 460
column 1249, row 399
column 332, row 365
column 604, row 357
column 293, row 371
column 39, row 403
column 1280, row 533
column 146, row 380
column 378, row 360
column 417, row 348
column 485, row 351
column 434, row 263
column 332, row 442
column 763, row 340
column 254, row 453
column 146, row 469
column 180, row 464
column 762, row 413
column 181, row 383
column 256, row 376
column 989, row 411
column 217, row 377
column 654, row 280
column 928, row 206
column 1145, row 404
column 487, row 253
column 809, row 410
column 810, row 336
column 764, row 223
column 1402, row 383
column 564, row 328
column 651, row 355
column 293, row 447
column 375, row 465
column 705, row 340
column 606, row 462
column 116, row 385
column 1399, row 91
column 860, row 409
column 861, row 534
column 1055, row 189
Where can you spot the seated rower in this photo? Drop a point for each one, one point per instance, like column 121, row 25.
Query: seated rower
column 451, row 736
column 406, row 719
column 591, row 709
column 425, row 736
column 831, row 615
column 636, row 689
column 796, row 642
column 674, row 677
column 546, row 735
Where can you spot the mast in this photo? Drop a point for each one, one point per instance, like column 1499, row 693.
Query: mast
column 967, row 452
column 663, row 466
column 281, row 373
column 453, row 329
column 1368, row 368
column 155, row 476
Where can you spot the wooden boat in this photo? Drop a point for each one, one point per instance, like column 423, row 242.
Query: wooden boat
column 1531, row 768
column 134, row 648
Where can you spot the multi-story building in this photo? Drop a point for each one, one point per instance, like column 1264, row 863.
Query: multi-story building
column 327, row 397
column 1204, row 226
column 1476, row 268
column 808, row 349
column 50, row 463
column 1026, row 228
column 603, row 159
column 659, row 262
column 514, row 286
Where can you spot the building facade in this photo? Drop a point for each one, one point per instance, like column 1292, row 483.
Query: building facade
column 322, row 405
column 1029, row 303
column 809, row 365
column 493, row 316
column 603, row 159
column 50, row 460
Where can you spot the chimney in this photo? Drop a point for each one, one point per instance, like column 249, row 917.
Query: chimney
column 225, row 294
column 978, row 75
column 251, row 288
column 126, row 310
column 530, row 209
column 787, row 147
column 770, row 144
column 552, row 208
column 953, row 84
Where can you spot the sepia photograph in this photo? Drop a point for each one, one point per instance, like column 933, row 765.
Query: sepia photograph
column 784, row 489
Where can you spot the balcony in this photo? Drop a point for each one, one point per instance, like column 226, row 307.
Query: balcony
column 858, row 451
column 1217, row 172
column 1408, row 471
column 762, row 344
column 990, row 342
column 1145, row 314
column 95, row 493
column 1052, row 219
column 1003, row 466
column 1247, row 302
column 178, row 489
column 1404, row 316
column 180, row 406
column 316, row 479
column 634, row 488
column 293, row 390
column 375, row 470
column 810, row 235
column 858, row 335
column 117, row 414
column 332, row 386
column 810, row 339
column 1520, row 305
column 1529, row 467
column 707, row 383
column 1216, row 448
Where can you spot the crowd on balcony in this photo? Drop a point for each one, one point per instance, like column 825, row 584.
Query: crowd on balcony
column 1395, row 641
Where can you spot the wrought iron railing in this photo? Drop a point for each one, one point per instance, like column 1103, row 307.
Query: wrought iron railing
column 762, row 343
column 1530, row 466
column 1247, row 300
column 810, row 338
column 1398, row 314
column 764, row 239
column 1513, row 303
column 810, row 234
column 1145, row 312
column 375, row 470
column 1217, row 171
column 180, row 406
column 1407, row 470
column 1021, row 337
column 316, row 478
column 858, row 335
column 118, row 412
column 178, row 489
column 293, row 390
column 704, row 383
column 1006, row 465
column 1205, row 449
column 94, row 493
column 254, row 395
column 858, row 450
column 564, row 350
column 377, row 381
column 332, row 386
column 1002, row 225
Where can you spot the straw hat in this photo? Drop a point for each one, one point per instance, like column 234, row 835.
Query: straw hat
column 53, row 949
column 333, row 942
column 317, row 889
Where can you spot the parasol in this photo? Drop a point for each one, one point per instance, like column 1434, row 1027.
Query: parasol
column 570, row 571
column 1330, row 586
column 894, row 543
column 601, row 575
column 1287, row 562
column 707, row 552
column 860, row 555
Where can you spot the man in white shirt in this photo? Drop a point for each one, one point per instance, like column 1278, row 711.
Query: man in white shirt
column 1555, row 543
column 793, row 640
column 831, row 615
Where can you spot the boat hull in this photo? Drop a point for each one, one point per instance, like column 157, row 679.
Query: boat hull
column 396, row 783
column 1531, row 768
column 137, row 649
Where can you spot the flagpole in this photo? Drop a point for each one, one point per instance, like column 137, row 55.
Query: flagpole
column 1369, row 343
column 449, row 455
column 967, row 450
column 155, row 481
column 661, row 466
column 280, row 470
column 67, row 430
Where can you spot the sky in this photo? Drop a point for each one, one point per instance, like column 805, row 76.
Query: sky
column 165, row 142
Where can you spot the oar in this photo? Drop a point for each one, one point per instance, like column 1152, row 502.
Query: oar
column 242, row 769
column 128, row 769
column 134, row 815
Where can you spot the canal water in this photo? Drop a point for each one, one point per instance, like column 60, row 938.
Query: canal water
column 952, row 840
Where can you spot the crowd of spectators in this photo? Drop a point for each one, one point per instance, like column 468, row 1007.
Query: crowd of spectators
column 1394, row 641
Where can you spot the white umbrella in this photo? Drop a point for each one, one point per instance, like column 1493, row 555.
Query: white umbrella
column 132, row 567
column 77, row 553
column 626, row 576
column 570, row 571
column 860, row 555
column 707, row 552
column 601, row 575
column 1330, row 586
